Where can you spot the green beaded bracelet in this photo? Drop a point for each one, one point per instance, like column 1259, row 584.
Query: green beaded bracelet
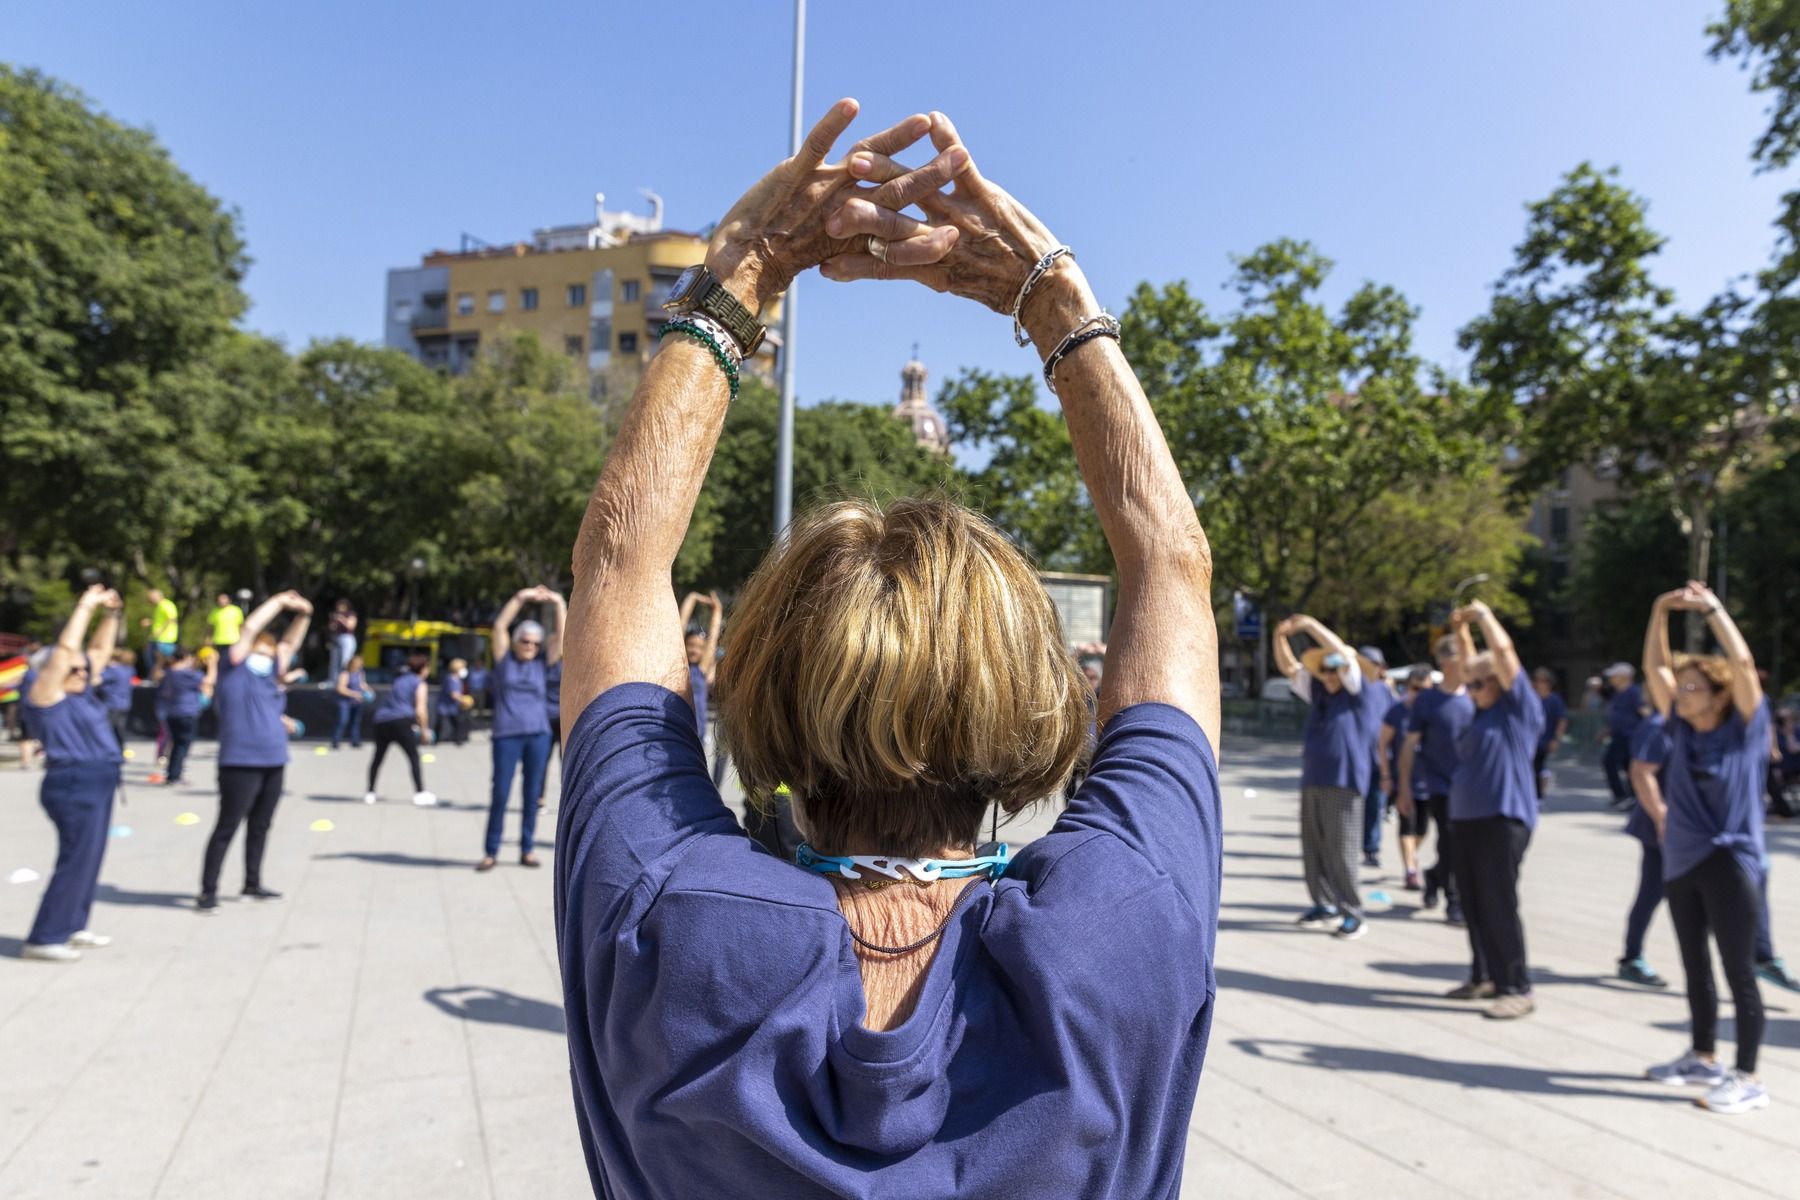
column 706, row 339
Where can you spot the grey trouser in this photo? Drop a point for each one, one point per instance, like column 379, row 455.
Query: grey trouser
column 1331, row 846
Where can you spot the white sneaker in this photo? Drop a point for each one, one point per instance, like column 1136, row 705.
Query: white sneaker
column 1736, row 1093
column 369, row 797
column 424, row 799
column 88, row 937
column 57, row 953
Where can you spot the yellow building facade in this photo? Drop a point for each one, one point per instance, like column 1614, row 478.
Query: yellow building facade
column 595, row 292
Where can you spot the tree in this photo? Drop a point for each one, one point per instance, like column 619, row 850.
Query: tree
column 1764, row 37
column 841, row 449
column 1630, row 553
column 1763, row 579
column 1581, row 338
column 119, row 280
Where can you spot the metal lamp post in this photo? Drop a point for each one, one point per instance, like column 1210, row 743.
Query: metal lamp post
column 784, row 440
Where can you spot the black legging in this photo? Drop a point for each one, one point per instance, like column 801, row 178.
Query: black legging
column 447, row 727
column 1440, row 875
column 398, row 732
column 1488, row 853
column 249, row 792
column 1719, row 897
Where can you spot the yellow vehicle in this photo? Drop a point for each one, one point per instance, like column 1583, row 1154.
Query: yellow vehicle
column 386, row 644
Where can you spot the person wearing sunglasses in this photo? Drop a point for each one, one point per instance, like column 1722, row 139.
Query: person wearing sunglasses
column 81, row 774
column 521, row 730
column 1336, row 765
column 1493, row 810
column 1713, row 854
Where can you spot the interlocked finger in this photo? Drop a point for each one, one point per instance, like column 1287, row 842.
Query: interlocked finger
column 896, row 138
column 825, row 134
column 859, row 216
column 915, row 185
column 875, row 168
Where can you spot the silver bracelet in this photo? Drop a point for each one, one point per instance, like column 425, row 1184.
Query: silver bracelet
column 720, row 335
column 1037, row 272
column 1102, row 324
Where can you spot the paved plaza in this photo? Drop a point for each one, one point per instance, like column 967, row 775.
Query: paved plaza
column 393, row 1027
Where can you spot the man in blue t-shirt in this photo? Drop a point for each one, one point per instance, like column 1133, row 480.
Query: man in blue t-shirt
column 1624, row 712
column 1439, row 717
column 1556, row 726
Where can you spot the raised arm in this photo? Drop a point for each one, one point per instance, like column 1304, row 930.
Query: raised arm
column 1659, row 663
column 689, row 603
column 553, row 640
column 1285, row 661
column 254, row 624
column 1499, row 643
column 1163, row 645
column 624, row 625
column 500, row 640
column 295, row 635
column 47, row 688
column 1403, row 799
column 1746, row 688
column 106, row 633
column 709, row 662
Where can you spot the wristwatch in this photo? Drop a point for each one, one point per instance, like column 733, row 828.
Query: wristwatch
column 699, row 290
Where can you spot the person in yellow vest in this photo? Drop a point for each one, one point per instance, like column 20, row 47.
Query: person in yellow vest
column 226, row 621
column 164, row 624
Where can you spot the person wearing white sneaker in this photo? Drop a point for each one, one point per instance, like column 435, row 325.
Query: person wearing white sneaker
column 81, row 775
column 400, row 720
column 1712, row 834
column 87, row 939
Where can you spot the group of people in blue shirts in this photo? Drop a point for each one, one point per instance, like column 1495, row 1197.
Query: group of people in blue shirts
column 1469, row 752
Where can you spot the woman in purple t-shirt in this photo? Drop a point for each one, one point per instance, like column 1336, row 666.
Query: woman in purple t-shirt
column 902, row 1010
column 1712, row 837
column 521, row 730
column 82, row 771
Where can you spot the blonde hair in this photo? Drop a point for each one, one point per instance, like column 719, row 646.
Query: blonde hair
column 899, row 668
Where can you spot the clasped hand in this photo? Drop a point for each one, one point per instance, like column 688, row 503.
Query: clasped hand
column 847, row 218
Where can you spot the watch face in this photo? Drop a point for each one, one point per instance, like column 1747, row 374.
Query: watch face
column 683, row 286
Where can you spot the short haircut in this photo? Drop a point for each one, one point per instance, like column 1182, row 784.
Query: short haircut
column 899, row 668
column 528, row 626
column 1545, row 675
column 1716, row 668
column 1446, row 647
column 1420, row 675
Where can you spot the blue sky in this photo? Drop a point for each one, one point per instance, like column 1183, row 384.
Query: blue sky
column 1403, row 139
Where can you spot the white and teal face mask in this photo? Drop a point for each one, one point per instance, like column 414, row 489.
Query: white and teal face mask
column 261, row 664
column 989, row 860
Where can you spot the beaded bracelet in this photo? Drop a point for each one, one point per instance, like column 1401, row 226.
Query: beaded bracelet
column 700, row 334
column 1103, row 324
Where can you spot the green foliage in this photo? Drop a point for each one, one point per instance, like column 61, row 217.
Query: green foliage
column 119, row 280
column 1630, row 553
column 1762, row 554
column 1582, row 339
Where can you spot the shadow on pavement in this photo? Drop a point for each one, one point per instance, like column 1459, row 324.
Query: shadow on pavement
column 1458, row 971
column 491, row 1006
column 108, row 894
column 1492, row 1076
column 11, row 946
column 388, row 858
column 1314, row 992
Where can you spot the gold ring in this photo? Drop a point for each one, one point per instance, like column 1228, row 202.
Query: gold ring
column 878, row 248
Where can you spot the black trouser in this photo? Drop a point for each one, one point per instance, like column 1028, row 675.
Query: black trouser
column 1537, row 769
column 117, row 718
column 398, row 732
column 1616, row 762
column 556, row 738
column 1719, row 897
column 1777, row 784
column 1440, row 876
column 181, row 739
column 450, row 727
column 243, row 791
column 1488, row 853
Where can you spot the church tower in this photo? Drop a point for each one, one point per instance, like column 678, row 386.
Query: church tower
column 916, row 410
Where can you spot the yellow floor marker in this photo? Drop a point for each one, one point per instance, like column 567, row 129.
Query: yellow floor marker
column 430, row 758
column 321, row 750
column 187, row 818
column 321, row 826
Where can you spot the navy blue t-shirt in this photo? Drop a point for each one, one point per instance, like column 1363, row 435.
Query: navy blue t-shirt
column 1397, row 718
column 517, row 687
column 1439, row 719
column 1714, row 787
column 1650, row 744
column 400, row 702
column 115, row 688
column 454, row 686
column 553, row 691
column 1555, row 710
column 75, row 729
column 1494, row 753
column 248, row 708
column 1337, row 752
column 714, row 1003
column 1625, row 711
column 697, row 685
column 178, row 695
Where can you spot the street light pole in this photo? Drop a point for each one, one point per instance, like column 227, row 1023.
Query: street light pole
column 1465, row 585
column 784, row 440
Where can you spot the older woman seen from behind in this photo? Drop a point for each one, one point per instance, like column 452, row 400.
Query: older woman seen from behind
column 741, row 1026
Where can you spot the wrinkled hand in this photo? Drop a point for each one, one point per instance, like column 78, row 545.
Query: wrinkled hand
column 998, row 241
column 294, row 602
column 778, row 228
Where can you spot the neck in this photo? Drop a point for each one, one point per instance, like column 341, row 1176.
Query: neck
column 1707, row 721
